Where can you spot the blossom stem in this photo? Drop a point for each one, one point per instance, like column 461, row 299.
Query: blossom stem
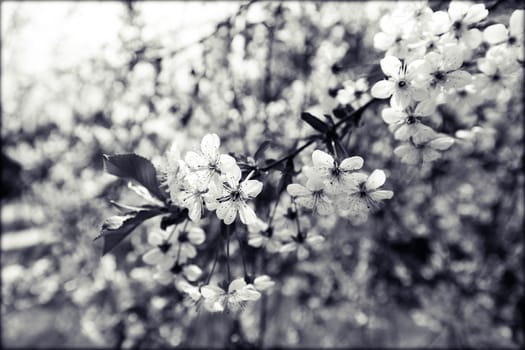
column 213, row 266
column 228, row 253
column 355, row 115
column 172, row 231
column 289, row 156
column 242, row 254
column 274, row 210
column 297, row 218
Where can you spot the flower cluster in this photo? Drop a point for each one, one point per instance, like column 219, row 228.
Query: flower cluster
column 430, row 62
column 205, row 180
column 211, row 180
column 338, row 186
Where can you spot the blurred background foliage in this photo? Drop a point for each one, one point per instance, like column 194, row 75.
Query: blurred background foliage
column 439, row 265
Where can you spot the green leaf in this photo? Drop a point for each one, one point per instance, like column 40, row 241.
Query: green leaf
column 134, row 167
column 315, row 122
column 118, row 227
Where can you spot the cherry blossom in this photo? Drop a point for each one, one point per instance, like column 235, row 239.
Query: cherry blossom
column 233, row 197
column 403, row 83
column 428, row 149
column 239, row 292
column 357, row 202
column 313, row 196
column 332, row 173
column 209, row 164
column 301, row 244
column 407, row 123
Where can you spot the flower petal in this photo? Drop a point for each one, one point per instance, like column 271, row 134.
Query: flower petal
column 192, row 272
column 227, row 211
column 210, row 146
column 196, row 235
column 430, row 155
column 155, row 238
column 195, row 161
column 246, row 214
column 383, row 89
column 297, row 190
column 248, row 293
column 153, row 256
column 495, row 34
column 380, row 195
column 458, row 79
column 324, row 207
column 375, row 180
column 251, row 188
column 352, row 163
column 263, row 282
column 209, row 292
column 516, row 23
column 475, row 14
column 473, row 38
column 425, row 108
column 322, row 159
column 457, row 9
column 408, row 154
column 236, row 284
column 441, row 143
column 390, row 65
column 392, row 115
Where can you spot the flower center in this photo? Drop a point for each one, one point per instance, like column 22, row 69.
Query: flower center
column 496, row 77
column 290, row 214
column 235, row 195
column 165, row 246
column 183, row 237
column 411, row 120
column 362, row 190
column 457, row 26
column 512, row 40
column 336, row 172
column 439, row 75
column 176, row 269
column 402, row 84
column 462, row 93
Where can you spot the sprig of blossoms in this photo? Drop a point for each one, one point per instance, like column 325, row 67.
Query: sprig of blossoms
column 334, row 186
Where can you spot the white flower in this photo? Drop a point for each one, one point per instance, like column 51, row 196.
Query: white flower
column 313, row 196
column 445, row 74
column 164, row 252
column 390, row 39
column 176, row 271
column 302, row 243
column 356, row 204
column 193, row 292
column 465, row 99
column 217, row 299
column 234, row 197
column 458, row 24
column 406, row 123
column 210, row 164
column 263, row 282
column 427, row 150
column 354, row 93
column 186, row 239
column 175, row 170
column 403, row 82
column 191, row 196
column 262, row 235
column 332, row 173
column 499, row 75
